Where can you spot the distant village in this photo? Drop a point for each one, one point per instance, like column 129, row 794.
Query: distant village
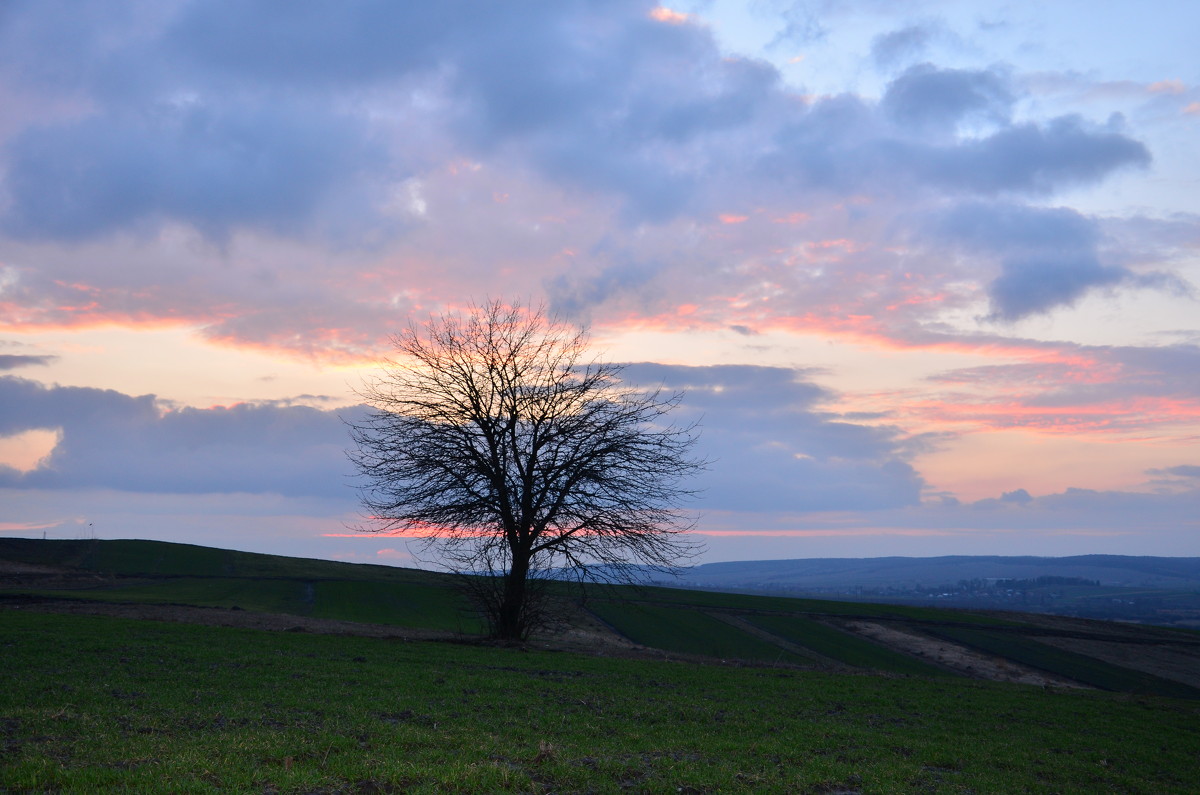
column 1069, row 596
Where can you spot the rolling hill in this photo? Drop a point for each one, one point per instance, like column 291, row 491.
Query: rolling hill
column 174, row 581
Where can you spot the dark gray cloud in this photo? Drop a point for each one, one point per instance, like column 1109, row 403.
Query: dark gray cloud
column 842, row 144
column 774, row 449
column 267, row 166
column 1031, row 286
column 1032, row 158
column 611, row 111
column 897, row 46
column 1012, row 229
column 927, row 99
column 330, row 45
column 11, row 361
column 1182, row 471
column 1049, row 257
column 117, row 441
column 67, row 45
column 1019, row 497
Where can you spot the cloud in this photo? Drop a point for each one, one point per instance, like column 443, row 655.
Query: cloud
column 11, row 361
column 330, row 46
column 572, row 295
column 772, row 448
column 1164, row 519
column 1062, row 523
column 1182, row 470
column 772, row 445
column 1039, row 159
column 116, row 441
column 1049, row 257
column 893, row 47
column 1068, row 388
column 1019, row 497
column 366, row 159
column 845, row 145
column 215, row 168
column 927, row 99
column 1031, row 286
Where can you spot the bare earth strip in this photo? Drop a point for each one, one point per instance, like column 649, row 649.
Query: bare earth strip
column 1178, row 663
column 959, row 658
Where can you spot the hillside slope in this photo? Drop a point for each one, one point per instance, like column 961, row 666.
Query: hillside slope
column 190, row 583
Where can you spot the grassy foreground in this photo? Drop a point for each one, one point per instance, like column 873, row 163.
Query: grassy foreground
column 98, row 704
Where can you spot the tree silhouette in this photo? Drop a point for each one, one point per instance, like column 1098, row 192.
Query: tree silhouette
column 512, row 454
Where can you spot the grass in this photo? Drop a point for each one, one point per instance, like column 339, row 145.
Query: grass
column 393, row 603
column 274, row 595
column 399, row 604
column 761, row 629
column 153, row 572
column 98, row 704
column 135, row 557
column 1081, row 668
column 842, row 646
column 688, row 631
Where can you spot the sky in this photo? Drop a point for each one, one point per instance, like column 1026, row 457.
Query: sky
column 926, row 272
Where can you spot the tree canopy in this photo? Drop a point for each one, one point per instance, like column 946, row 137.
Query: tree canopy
column 498, row 440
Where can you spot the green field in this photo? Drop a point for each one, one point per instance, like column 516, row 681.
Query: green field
column 761, row 630
column 134, row 557
column 1078, row 667
column 688, row 631
column 841, row 646
column 151, row 572
column 93, row 704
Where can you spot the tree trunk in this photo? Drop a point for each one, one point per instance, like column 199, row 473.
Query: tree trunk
column 510, row 619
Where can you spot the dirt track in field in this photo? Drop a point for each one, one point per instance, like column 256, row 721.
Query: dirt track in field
column 955, row 657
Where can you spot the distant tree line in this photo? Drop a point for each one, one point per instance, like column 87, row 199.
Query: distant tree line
column 1042, row 582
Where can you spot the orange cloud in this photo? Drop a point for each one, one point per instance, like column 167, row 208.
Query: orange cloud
column 733, row 219
column 418, row 530
column 792, row 218
column 918, row 300
column 1167, row 87
column 1027, row 412
column 670, row 17
column 23, row 527
column 827, row 532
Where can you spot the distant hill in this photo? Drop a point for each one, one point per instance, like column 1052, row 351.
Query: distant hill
column 1150, row 590
column 902, row 572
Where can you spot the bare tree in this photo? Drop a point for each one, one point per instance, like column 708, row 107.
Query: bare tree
column 512, row 454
